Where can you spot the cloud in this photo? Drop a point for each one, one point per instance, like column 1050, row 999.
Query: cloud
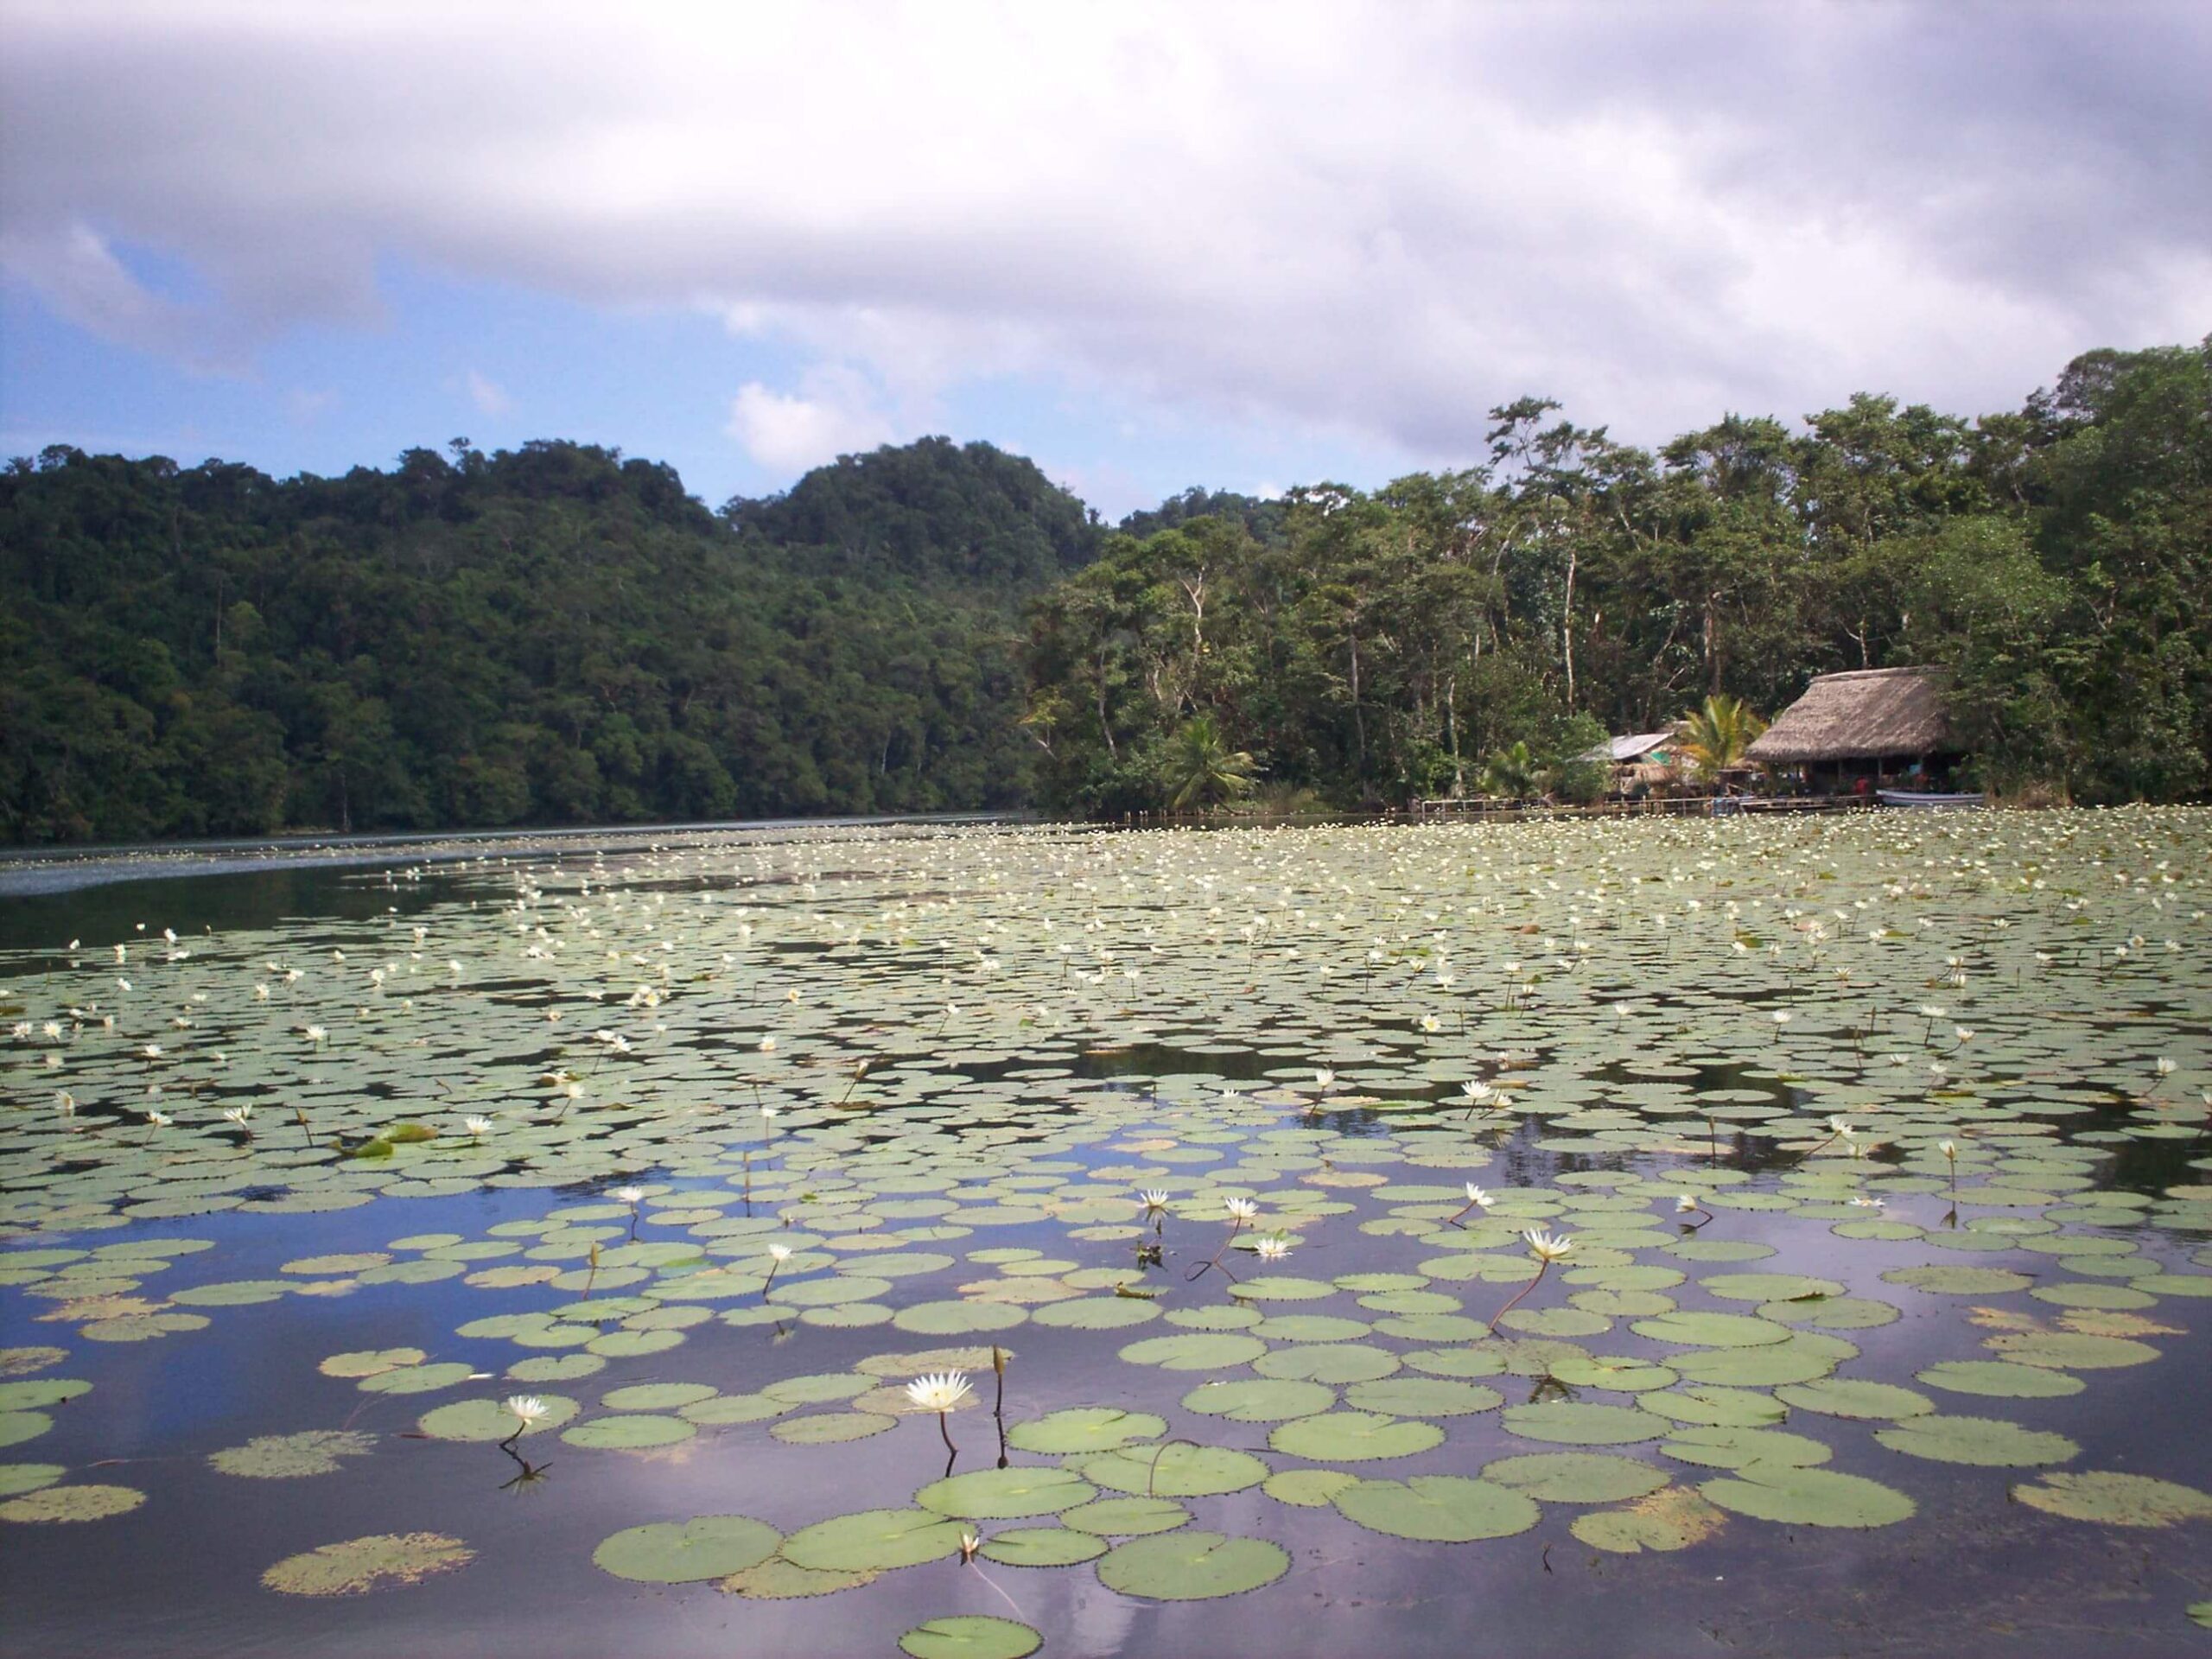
column 1314, row 216
column 835, row 415
column 489, row 397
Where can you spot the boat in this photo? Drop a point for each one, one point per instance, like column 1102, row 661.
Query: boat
column 1928, row 798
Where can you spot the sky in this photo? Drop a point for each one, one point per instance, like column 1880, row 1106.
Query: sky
column 1149, row 245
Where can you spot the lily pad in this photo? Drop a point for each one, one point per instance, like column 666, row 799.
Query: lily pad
column 1007, row 1494
column 2114, row 1500
column 970, row 1635
column 360, row 1565
column 1988, row 1442
column 285, row 1456
column 1353, row 1437
column 1440, row 1509
column 1577, row 1476
column 1085, row 1428
column 1174, row 1469
column 1043, row 1546
column 874, row 1541
column 81, row 1502
column 686, row 1552
column 1808, row 1497
column 1669, row 1520
column 1187, row 1565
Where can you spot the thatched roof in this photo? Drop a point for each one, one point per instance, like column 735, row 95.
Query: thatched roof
column 1869, row 713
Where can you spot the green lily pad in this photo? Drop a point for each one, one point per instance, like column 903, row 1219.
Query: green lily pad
column 2114, row 1500
column 1353, row 1437
column 69, row 1504
column 1849, row 1397
column 360, row 1565
column 489, row 1420
column 659, row 1396
column 284, row 1457
column 1808, row 1497
column 1942, row 1280
column 1007, row 1494
column 2066, row 1351
column 1043, row 1546
column 629, row 1432
column 1196, row 1351
column 831, row 1428
column 687, row 1552
column 2001, row 1380
column 1738, row 1448
column 369, row 1362
column 1711, row 1330
column 1085, row 1428
column 1440, row 1509
column 1259, row 1400
column 1127, row 1517
column 1307, row 1488
column 1673, row 1519
column 970, row 1635
column 778, row 1579
column 1577, row 1476
column 16, row 1477
column 1186, row 1566
column 874, row 1541
column 1174, row 1469
column 1988, row 1442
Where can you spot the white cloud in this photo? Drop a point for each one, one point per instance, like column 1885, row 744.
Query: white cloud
column 1375, row 222
column 489, row 397
column 835, row 415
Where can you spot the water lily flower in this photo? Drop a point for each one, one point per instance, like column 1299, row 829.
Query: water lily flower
column 1271, row 1249
column 1546, row 1247
column 477, row 1127
column 1154, row 1199
column 938, row 1391
column 1240, row 1209
column 629, row 1195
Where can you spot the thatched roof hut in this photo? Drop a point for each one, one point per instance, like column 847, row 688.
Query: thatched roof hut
column 1868, row 715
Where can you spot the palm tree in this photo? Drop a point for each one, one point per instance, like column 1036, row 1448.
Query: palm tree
column 1512, row 773
column 1715, row 736
column 1200, row 770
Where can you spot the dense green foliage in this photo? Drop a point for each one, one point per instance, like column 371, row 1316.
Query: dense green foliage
column 554, row 634
column 1452, row 626
column 546, row 635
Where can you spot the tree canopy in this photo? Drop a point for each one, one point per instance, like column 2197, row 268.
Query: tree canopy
column 556, row 633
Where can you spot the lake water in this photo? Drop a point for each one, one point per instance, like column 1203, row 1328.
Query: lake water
column 771, row 1123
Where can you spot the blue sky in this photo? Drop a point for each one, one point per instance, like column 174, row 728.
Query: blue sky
column 1149, row 245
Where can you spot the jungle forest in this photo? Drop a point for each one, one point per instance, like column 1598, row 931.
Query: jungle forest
column 558, row 635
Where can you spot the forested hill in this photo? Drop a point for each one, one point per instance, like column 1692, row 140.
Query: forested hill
column 557, row 635
column 932, row 511
column 552, row 634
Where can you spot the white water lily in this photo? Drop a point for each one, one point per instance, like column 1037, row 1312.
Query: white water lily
column 1154, row 1199
column 939, row 1392
column 1547, row 1246
column 632, row 1196
column 477, row 1127
column 1240, row 1209
column 1271, row 1249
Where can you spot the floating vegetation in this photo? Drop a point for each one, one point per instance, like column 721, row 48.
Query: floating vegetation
column 1205, row 1197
